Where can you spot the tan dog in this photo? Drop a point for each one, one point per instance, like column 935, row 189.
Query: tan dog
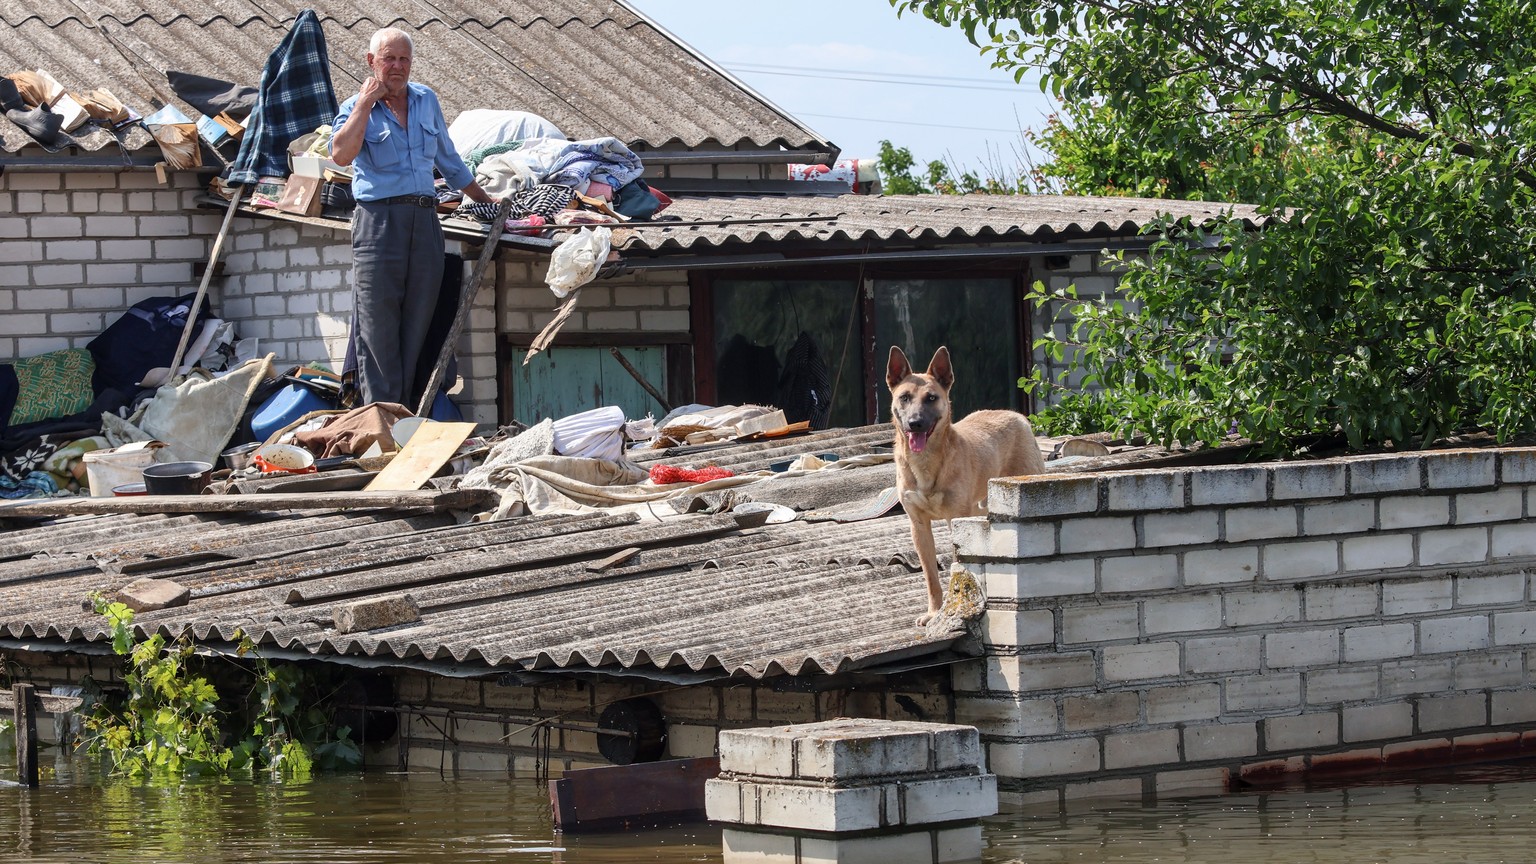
column 942, row 466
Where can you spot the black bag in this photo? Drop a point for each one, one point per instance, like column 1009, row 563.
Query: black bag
column 144, row 338
column 336, row 200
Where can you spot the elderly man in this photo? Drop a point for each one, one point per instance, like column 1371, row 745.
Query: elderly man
column 393, row 134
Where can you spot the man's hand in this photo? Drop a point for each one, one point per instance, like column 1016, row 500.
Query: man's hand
column 371, row 92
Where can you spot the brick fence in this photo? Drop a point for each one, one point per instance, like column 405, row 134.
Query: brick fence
column 1154, row 630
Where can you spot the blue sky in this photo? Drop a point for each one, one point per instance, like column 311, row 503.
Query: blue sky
column 856, row 73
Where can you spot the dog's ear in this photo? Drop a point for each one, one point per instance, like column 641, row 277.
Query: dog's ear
column 940, row 370
column 896, row 368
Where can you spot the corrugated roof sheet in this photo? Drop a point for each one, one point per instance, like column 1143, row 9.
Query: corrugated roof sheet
column 592, row 67
column 704, row 597
column 917, row 218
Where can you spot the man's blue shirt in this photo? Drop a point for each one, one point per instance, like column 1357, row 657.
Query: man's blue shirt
column 399, row 161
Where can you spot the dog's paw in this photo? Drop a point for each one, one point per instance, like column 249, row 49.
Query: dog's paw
column 923, row 619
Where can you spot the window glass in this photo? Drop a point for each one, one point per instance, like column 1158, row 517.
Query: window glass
column 976, row 318
column 793, row 344
column 786, row 342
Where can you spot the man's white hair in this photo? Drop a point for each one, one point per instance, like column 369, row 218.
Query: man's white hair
column 389, row 34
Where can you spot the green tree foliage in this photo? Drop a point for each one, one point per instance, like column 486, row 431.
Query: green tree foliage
column 1389, row 146
column 171, row 722
column 896, row 177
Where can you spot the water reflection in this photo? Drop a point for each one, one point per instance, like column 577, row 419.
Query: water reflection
column 76, row 815
column 947, row 845
column 1479, row 817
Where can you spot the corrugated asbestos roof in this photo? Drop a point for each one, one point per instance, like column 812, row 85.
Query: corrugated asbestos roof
column 703, row 598
column 892, row 221
column 917, row 218
column 592, row 67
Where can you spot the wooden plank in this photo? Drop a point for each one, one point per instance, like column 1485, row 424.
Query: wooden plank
column 613, row 560
column 50, row 703
column 624, row 797
column 780, row 432
column 25, row 712
column 457, row 499
column 430, row 448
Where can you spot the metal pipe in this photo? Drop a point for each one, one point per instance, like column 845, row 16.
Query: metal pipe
column 74, row 163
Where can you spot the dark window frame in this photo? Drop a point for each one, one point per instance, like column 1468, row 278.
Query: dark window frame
column 702, row 313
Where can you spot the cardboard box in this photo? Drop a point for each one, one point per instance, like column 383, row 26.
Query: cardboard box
column 309, row 165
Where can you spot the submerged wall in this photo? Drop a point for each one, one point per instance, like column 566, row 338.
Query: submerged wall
column 1155, row 630
column 1147, row 632
column 534, row 728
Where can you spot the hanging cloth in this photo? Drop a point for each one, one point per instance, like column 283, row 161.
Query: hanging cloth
column 295, row 98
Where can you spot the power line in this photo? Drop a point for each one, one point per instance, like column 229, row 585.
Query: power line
column 767, row 67
column 887, row 81
column 905, row 123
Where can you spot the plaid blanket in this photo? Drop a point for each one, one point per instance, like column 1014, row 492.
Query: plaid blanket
column 295, row 97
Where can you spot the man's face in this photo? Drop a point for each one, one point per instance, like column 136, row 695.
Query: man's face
column 392, row 65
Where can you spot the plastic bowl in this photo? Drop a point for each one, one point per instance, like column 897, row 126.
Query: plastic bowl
column 177, row 478
column 128, row 489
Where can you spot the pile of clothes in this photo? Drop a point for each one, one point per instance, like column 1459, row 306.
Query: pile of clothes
column 548, row 178
column 53, row 407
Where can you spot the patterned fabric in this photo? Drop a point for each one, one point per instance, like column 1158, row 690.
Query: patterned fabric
column 23, row 471
column 295, row 98
column 56, row 384
column 477, row 211
column 473, row 160
column 545, row 200
column 36, row 484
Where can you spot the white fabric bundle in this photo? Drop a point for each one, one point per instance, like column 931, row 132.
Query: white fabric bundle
column 595, row 434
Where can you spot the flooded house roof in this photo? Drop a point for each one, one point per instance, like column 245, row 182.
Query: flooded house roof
column 695, row 597
column 594, row 68
column 928, row 219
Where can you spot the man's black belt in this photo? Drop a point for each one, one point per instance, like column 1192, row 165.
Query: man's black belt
column 414, row 200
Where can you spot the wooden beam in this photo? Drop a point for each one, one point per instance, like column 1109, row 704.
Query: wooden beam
column 626, row 797
column 49, row 703
column 466, row 305
column 457, row 499
column 25, row 712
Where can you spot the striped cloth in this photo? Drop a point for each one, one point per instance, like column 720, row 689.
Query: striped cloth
column 295, row 98
column 544, row 200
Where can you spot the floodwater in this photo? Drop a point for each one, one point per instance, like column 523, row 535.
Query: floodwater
column 1481, row 816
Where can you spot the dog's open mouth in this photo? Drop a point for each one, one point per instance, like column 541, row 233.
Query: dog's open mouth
column 916, row 441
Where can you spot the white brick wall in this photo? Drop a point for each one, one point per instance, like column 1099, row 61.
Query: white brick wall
column 1268, row 619
column 76, row 254
column 74, row 260
column 1093, row 277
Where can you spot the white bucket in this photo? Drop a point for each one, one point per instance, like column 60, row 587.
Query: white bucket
column 105, row 469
